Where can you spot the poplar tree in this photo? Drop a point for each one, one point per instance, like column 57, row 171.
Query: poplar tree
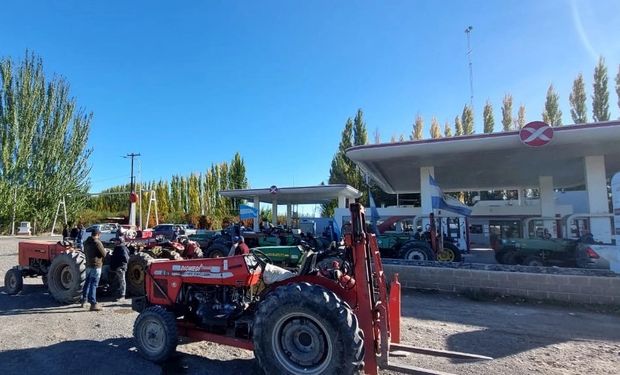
column 435, row 129
column 577, row 98
column 552, row 114
column 458, row 126
column 43, row 138
column 507, row 113
column 360, row 134
column 600, row 98
column 468, row 120
column 487, row 114
column 521, row 117
column 418, row 126
column 447, row 130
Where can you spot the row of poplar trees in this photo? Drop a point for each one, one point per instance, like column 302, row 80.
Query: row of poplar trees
column 552, row 114
column 183, row 199
column 43, row 138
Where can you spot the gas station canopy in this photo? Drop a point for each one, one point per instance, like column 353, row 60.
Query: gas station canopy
column 295, row 195
column 491, row 161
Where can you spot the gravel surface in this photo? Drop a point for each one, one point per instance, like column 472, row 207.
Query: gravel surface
column 39, row 336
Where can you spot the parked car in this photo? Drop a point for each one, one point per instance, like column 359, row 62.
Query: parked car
column 188, row 229
column 167, row 230
column 108, row 231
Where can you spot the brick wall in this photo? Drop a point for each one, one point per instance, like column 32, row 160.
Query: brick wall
column 536, row 286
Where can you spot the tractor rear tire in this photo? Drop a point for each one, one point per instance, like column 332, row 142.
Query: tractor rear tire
column 66, row 277
column 416, row 252
column 304, row 328
column 217, row 250
column 155, row 332
column 13, row 281
column 136, row 271
column 533, row 261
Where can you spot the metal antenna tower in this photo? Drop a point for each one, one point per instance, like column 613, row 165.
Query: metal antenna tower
column 471, row 74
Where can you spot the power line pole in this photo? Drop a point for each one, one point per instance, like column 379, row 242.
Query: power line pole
column 133, row 182
column 132, row 194
column 471, row 74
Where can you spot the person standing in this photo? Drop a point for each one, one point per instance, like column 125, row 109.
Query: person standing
column 118, row 265
column 80, row 236
column 95, row 252
column 65, row 232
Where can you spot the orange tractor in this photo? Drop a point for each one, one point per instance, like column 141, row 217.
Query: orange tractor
column 61, row 267
column 330, row 316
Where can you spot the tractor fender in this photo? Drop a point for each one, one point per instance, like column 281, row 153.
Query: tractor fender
column 347, row 295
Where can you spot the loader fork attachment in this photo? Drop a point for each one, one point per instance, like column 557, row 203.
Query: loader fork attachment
column 372, row 307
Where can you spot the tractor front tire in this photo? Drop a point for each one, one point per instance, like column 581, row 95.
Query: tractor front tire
column 302, row 328
column 450, row 253
column 217, row 250
column 416, row 252
column 13, row 281
column 136, row 272
column 155, row 332
column 66, row 277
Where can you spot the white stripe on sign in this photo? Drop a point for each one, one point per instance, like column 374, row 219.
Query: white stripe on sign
column 538, row 133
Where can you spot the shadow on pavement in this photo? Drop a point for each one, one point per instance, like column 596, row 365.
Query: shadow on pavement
column 500, row 329
column 112, row 356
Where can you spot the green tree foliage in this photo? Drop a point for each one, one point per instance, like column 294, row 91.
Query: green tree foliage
column 447, row 130
column 360, row 134
column 507, row 113
column 577, row 98
column 435, row 129
column 521, row 117
column 418, row 126
column 467, row 119
column 600, row 99
column 552, row 114
column 343, row 170
column 184, row 198
column 488, row 120
column 458, row 126
column 43, row 137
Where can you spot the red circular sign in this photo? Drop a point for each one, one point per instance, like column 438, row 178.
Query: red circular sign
column 273, row 189
column 536, row 134
column 133, row 197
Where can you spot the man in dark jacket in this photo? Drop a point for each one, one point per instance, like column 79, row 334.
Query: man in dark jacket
column 118, row 265
column 95, row 252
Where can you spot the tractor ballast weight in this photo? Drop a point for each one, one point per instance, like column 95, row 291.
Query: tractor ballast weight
column 331, row 316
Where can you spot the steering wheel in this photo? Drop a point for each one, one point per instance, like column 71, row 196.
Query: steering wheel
column 261, row 257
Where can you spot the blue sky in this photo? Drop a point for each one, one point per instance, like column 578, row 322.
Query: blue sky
column 189, row 83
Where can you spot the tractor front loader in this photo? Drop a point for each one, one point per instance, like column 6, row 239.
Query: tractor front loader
column 330, row 316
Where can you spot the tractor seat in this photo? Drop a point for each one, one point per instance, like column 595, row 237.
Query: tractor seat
column 307, row 263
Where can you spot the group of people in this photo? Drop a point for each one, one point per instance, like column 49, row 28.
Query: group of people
column 95, row 254
column 75, row 234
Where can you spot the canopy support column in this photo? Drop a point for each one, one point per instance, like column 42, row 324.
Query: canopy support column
column 547, row 204
column 256, row 223
column 274, row 213
column 596, row 185
column 426, row 200
column 288, row 216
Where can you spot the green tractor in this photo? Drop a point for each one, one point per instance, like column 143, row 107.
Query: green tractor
column 536, row 252
column 415, row 245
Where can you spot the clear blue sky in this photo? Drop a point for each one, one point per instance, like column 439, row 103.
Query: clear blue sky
column 188, row 83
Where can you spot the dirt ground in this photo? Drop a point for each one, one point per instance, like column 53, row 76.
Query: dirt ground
column 38, row 336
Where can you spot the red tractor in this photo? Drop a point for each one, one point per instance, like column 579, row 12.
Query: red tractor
column 331, row 316
column 61, row 267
